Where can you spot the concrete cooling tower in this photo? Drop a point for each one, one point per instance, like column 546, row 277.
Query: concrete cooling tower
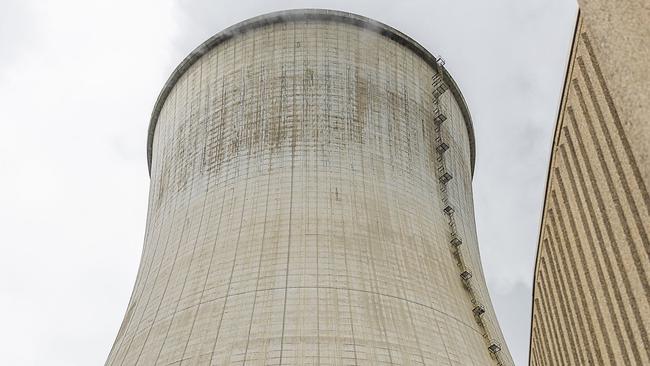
column 310, row 204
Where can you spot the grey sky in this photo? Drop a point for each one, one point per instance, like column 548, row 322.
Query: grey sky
column 78, row 80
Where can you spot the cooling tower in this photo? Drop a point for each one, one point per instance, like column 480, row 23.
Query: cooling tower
column 591, row 294
column 310, row 203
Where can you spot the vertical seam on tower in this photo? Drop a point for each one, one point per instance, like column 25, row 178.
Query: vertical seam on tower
column 399, row 267
column 198, row 306
column 189, row 268
column 348, row 122
column 180, row 239
column 241, row 219
column 223, row 201
column 293, row 152
column 266, row 210
column 158, row 270
column 366, row 192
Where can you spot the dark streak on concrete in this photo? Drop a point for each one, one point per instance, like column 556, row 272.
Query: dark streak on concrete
column 305, row 15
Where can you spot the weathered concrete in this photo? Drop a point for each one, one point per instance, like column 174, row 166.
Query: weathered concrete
column 591, row 301
column 295, row 213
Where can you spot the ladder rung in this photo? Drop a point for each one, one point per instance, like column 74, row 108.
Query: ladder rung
column 446, row 177
column 466, row 275
column 479, row 310
column 494, row 348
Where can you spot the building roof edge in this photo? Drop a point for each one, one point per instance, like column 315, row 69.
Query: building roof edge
column 306, row 14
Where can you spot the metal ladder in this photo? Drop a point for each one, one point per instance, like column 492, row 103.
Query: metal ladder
column 444, row 176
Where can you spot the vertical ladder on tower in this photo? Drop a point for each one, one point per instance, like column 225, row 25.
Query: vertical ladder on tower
column 439, row 88
column 444, row 177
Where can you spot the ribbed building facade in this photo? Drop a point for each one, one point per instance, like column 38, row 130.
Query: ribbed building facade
column 310, row 204
column 591, row 293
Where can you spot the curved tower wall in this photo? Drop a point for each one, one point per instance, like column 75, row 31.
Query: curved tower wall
column 295, row 212
column 591, row 294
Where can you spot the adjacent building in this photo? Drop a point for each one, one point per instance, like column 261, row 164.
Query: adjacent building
column 310, row 204
column 591, row 301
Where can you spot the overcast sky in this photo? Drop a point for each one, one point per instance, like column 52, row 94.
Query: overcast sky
column 78, row 80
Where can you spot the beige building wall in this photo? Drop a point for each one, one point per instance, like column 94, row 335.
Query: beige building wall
column 591, row 293
column 296, row 210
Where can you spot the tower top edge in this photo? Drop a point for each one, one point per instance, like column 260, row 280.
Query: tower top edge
column 308, row 14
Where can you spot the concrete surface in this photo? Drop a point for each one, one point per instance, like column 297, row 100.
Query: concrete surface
column 295, row 210
column 591, row 301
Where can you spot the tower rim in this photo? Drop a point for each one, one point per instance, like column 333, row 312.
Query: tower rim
column 307, row 14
